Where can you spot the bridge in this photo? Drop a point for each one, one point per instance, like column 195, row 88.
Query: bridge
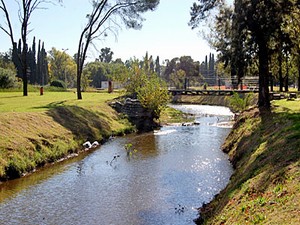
column 212, row 92
column 218, row 86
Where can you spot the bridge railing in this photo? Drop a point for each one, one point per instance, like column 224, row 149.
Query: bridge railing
column 218, row 83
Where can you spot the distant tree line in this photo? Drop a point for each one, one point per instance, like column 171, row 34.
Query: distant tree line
column 207, row 69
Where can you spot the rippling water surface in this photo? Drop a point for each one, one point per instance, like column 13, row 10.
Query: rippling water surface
column 177, row 165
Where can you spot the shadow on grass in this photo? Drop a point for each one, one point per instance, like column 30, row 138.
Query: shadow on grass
column 84, row 124
column 271, row 148
column 51, row 105
column 13, row 96
column 262, row 158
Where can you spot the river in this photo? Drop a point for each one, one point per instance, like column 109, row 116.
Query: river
column 165, row 177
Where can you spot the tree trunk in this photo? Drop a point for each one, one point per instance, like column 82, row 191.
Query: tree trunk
column 298, row 77
column 286, row 84
column 24, row 69
column 280, row 72
column 263, row 97
column 79, row 72
column 271, row 81
column 298, row 72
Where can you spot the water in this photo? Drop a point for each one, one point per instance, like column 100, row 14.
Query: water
column 171, row 173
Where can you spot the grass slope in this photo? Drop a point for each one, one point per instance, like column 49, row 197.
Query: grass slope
column 265, row 151
column 35, row 130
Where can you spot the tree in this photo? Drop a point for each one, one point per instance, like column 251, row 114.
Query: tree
column 153, row 94
column 62, row 67
column 6, row 61
column 106, row 55
column 157, row 66
column 97, row 72
column 42, row 65
column 7, row 71
column 255, row 23
column 7, row 78
column 31, row 57
column 177, row 78
column 207, row 69
column 186, row 65
column 26, row 8
column 104, row 12
column 140, row 81
column 291, row 26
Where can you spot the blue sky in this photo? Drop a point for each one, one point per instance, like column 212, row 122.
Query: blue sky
column 165, row 32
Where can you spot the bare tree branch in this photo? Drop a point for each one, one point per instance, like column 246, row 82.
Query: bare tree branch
column 129, row 12
column 10, row 31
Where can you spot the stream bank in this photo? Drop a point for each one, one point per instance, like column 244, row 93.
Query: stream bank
column 40, row 130
column 264, row 189
column 150, row 178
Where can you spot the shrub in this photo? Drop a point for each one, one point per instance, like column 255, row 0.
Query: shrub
column 238, row 103
column 153, row 95
column 7, row 78
column 59, row 84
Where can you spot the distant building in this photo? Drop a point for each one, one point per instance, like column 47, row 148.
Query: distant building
column 116, row 85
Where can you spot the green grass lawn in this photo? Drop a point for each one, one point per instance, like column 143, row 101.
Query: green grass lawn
column 34, row 102
column 36, row 129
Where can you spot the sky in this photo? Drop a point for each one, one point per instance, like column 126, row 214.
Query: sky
column 165, row 33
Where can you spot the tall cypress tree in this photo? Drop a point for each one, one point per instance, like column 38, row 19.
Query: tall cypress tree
column 38, row 64
column 32, row 63
column 16, row 58
column 44, row 66
column 157, row 66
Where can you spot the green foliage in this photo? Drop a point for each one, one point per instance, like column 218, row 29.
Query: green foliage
column 153, row 94
column 106, row 55
column 175, row 68
column 177, row 78
column 6, row 61
column 54, row 89
column 96, row 72
column 130, row 151
column 62, row 67
column 171, row 115
column 139, row 79
column 58, row 83
column 238, row 103
column 7, row 78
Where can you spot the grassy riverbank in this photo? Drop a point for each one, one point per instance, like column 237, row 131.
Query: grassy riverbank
column 265, row 188
column 36, row 130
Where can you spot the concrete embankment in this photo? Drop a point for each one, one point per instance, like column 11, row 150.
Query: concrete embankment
column 219, row 100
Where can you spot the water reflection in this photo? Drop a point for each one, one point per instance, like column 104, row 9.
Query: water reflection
column 174, row 166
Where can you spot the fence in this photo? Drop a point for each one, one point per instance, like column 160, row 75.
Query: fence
column 218, row 83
